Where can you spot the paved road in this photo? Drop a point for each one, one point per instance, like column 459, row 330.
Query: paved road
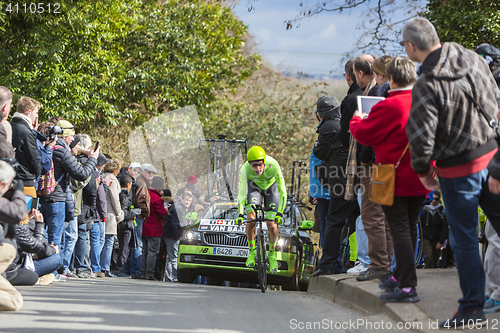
column 125, row 305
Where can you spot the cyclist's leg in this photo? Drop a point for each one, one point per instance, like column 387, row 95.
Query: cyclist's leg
column 253, row 197
column 271, row 202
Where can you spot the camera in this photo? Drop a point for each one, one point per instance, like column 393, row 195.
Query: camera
column 52, row 131
column 12, row 162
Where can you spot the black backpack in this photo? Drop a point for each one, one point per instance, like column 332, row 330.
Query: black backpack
column 492, row 56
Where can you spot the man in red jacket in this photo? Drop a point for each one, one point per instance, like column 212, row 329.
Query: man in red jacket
column 152, row 229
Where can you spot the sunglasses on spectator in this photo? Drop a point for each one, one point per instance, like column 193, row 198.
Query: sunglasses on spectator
column 256, row 164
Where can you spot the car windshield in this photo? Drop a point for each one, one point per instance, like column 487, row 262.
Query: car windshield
column 229, row 211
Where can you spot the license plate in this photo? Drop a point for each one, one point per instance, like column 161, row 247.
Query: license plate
column 227, row 251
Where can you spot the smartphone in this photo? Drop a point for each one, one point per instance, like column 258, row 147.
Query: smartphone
column 97, row 145
column 34, row 203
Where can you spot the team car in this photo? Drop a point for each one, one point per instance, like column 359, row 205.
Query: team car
column 217, row 248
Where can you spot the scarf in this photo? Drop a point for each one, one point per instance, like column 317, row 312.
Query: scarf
column 23, row 117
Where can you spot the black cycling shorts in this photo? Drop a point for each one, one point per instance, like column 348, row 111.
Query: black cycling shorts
column 271, row 198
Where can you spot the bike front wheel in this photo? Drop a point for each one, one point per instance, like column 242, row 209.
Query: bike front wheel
column 261, row 261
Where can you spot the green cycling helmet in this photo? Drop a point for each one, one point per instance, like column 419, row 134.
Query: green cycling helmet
column 256, row 153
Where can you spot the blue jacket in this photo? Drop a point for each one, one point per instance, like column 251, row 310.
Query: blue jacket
column 315, row 188
column 44, row 152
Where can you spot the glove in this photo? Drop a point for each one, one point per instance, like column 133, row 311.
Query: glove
column 136, row 211
column 18, row 186
column 279, row 218
column 240, row 219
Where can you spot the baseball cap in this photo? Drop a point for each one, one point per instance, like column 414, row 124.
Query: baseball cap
column 135, row 165
column 67, row 127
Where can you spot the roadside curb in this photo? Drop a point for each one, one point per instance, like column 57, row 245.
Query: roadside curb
column 363, row 297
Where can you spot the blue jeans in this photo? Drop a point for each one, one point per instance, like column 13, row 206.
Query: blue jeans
column 70, row 238
column 96, row 246
column 361, row 239
column 171, row 260
column 80, row 246
column 48, row 265
column 323, row 206
column 461, row 197
column 54, row 214
column 106, row 252
column 135, row 254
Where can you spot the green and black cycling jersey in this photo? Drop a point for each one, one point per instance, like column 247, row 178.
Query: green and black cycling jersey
column 270, row 185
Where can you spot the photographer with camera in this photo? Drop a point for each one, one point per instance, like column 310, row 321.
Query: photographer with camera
column 12, row 210
column 6, row 150
column 24, row 141
column 53, row 205
column 45, row 142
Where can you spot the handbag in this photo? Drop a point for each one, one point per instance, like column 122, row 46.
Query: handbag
column 383, row 182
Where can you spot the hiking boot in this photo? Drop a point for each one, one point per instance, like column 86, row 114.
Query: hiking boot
column 389, row 285
column 399, row 296
column 252, row 255
column 473, row 318
column 491, row 306
column 359, row 268
column 370, row 274
column 273, row 262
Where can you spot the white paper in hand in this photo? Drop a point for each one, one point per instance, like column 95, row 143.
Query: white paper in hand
column 365, row 103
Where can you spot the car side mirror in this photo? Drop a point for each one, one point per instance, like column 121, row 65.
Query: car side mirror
column 192, row 217
column 307, row 225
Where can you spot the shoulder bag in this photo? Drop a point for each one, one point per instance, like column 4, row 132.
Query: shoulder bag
column 383, row 182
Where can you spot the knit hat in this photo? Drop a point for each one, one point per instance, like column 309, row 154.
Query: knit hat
column 192, row 179
column 74, row 142
column 101, row 160
column 326, row 104
column 68, row 128
column 158, row 183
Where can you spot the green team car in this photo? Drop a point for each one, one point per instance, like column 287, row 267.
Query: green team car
column 217, row 248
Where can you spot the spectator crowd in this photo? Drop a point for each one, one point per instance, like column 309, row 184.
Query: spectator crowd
column 431, row 144
column 69, row 211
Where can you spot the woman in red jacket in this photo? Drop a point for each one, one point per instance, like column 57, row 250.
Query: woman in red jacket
column 152, row 229
column 385, row 129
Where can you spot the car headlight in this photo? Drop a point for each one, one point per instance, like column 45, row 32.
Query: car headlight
column 191, row 236
column 282, row 244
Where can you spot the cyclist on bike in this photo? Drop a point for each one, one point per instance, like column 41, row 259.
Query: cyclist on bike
column 260, row 177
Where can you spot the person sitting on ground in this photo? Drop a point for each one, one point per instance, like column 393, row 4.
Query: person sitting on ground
column 36, row 258
column 385, row 129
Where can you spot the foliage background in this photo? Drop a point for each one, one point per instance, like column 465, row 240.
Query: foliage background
column 110, row 66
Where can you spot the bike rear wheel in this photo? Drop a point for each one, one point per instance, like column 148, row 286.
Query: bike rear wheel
column 261, row 261
column 419, row 246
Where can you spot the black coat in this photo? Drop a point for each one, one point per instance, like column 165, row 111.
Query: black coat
column 347, row 107
column 66, row 164
column 30, row 238
column 330, row 149
column 89, row 195
column 24, row 141
column 127, row 225
column 172, row 228
column 434, row 225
